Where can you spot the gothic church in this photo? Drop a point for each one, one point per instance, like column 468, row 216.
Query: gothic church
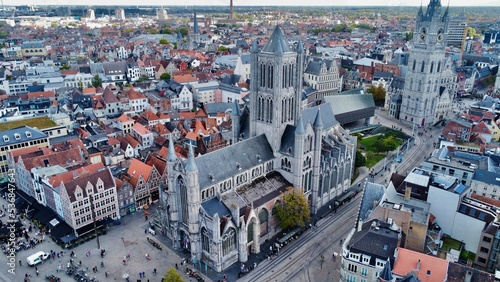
column 219, row 206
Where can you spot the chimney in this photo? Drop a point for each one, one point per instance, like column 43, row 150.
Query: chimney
column 407, row 192
column 360, row 225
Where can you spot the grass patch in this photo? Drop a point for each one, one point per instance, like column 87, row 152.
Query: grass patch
column 38, row 122
column 373, row 158
column 368, row 142
column 466, row 255
column 450, row 243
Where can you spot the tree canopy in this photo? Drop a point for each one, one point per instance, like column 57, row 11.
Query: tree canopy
column 173, row 276
column 386, row 144
column 360, row 159
column 293, row 209
column 164, row 41
column 97, row 81
column 378, row 92
column 165, row 76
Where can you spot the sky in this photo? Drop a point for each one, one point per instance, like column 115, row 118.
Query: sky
column 167, row 3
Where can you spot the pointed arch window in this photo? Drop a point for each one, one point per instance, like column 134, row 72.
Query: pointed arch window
column 432, row 67
column 422, row 67
column 228, row 241
column 205, row 240
column 184, row 200
column 439, row 67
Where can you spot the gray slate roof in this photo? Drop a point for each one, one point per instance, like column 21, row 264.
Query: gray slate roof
column 212, row 109
column 222, row 164
column 486, row 177
column 276, row 43
column 350, row 103
column 372, row 192
column 214, row 206
column 327, row 116
column 35, row 134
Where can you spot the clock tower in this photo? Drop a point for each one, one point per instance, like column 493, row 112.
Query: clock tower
column 426, row 63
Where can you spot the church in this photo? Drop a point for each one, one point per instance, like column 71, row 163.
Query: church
column 220, row 206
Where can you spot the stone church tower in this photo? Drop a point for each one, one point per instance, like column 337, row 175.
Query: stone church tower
column 427, row 60
column 275, row 88
column 194, row 37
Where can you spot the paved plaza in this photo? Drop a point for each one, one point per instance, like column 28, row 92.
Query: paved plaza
column 128, row 238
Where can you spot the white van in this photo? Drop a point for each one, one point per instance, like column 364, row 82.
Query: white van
column 37, row 258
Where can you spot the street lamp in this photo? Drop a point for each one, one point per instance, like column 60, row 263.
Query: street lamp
column 93, row 220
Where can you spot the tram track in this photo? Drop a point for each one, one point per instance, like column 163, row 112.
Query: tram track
column 299, row 261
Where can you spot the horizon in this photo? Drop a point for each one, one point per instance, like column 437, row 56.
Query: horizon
column 241, row 3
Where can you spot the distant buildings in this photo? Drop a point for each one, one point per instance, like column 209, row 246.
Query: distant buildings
column 120, row 14
column 457, row 28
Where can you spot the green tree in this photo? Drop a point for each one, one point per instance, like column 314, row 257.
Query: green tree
column 80, row 85
column 386, row 144
column 164, row 41
column 378, row 92
column 184, row 31
column 173, row 276
column 360, row 159
column 175, row 45
column 293, row 209
column 223, row 49
column 409, row 36
column 64, row 67
column 96, row 81
column 165, row 76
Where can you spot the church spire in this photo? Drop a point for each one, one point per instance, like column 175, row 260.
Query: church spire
column 171, row 157
column 318, row 121
column 276, row 43
column 299, row 130
column 191, row 164
column 386, row 273
column 195, row 24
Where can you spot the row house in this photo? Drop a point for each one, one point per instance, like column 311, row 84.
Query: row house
column 126, row 200
column 125, row 123
column 143, row 135
column 115, row 71
column 152, row 119
column 183, row 100
column 130, row 146
column 111, row 103
column 148, row 68
column 19, row 138
column 79, row 80
column 133, row 72
column 85, row 193
column 146, row 181
column 137, row 101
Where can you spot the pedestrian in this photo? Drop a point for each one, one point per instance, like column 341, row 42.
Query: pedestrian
column 176, row 266
column 106, row 274
column 140, row 274
column 102, row 263
column 154, row 271
column 80, row 263
column 20, row 263
column 145, row 231
column 36, row 272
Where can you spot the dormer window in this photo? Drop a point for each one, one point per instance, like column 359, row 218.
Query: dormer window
column 17, row 136
column 28, row 134
column 211, row 177
column 238, row 166
column 5, row 138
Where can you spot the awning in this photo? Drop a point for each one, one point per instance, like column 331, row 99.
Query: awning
column 61, row 230
column 68, row 238
column 45, row 215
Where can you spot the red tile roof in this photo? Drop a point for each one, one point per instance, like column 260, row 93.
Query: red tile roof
column 431, row 269
column 138, row 168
